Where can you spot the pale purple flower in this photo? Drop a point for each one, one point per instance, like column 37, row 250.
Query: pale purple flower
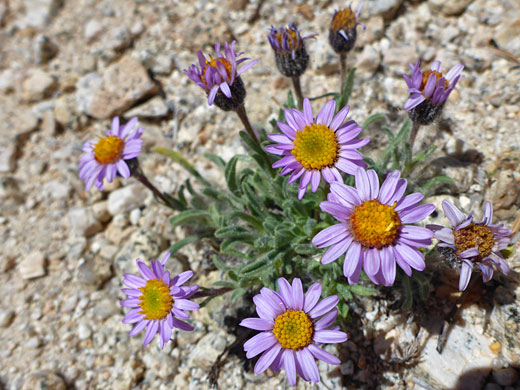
column 474, row 242
column 374, row 230
column 293, row 326
column 158, row 302
column 313, row 147
column 430, row 85
column 105, row 157
column 218, row 73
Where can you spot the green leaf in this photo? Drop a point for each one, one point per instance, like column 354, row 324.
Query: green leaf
column 250, row 219
column 423, row 284
column 186, row 216
column 255, row 204
column 232, row 231
column 178, row 158
column 217, row 160
column 344, row 291
column 220, row 264
column 182, row 243
column 373, row 118
column 308, row 227
column 360, row 290
column 238, row 293
column 435, row 182
column 228, row 245
column 347, row 89
column 290, row 101
column 231, row 175
column 343, row 309
column 174, row 203
column 225, row 283
column 305, row 249
column 407, row 299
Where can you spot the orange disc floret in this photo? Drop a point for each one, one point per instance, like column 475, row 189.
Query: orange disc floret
column 213, row 63
column 472, row 236
column 315, row 147
column 293, row 329
column 109, row 150
column 156, row 301
column 344, row 19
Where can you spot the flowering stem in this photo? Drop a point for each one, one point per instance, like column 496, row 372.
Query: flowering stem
column 241, row 112
column 413, row 133
column 298, row 91
column 343, row 69
column 139, row 175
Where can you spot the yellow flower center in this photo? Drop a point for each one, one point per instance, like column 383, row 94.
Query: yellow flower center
column 315, row 147
column 438, row 75
column 293, row 329
column 213, row 63
column 344, row 19
column 375, row 225
column 109, row 149
column 292, row 41
column 472, row 236
column 156, row 301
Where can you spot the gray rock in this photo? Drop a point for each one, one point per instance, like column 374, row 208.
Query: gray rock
column 449, row 7
column 93, row 29
column 57, row 190
column 143, row 244
column 126, row 198
column 83, row 222
column 153, row 108
column 135, row 215
column 124, row 83
column 43, row 380
column 48, row 126
column 86, row 88
column 8, row 157
column 369, row 60
column 207, row 349
column 38, row 86
column 100, row 210
column 118, row 38
column 38, row 13
column 32, row 266
column 44, row 49
column 506, row 36
column 93, row 272
column 6, row 318
column 6, row 80
column 385, row 8
column 84, row 331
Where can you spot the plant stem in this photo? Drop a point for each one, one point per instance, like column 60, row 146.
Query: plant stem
column 212, row 292
column 241, row 112
column 413, row 133
column 342, row 69
column 139, row 175
column 298, row 90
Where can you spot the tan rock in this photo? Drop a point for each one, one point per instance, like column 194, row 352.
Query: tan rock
column 33, row 266
column 38, row 86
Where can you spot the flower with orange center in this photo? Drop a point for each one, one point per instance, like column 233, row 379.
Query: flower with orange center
column 220, row 76
column 473, row 242
column 342, row 31
column 157, row 301
column 429, row 91
column 293, row 325
column 374, row 230
column 108, row 156
column 315, row 147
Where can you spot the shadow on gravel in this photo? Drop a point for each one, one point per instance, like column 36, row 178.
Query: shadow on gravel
column 484, row 378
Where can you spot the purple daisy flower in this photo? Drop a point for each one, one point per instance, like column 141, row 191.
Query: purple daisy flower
column 342, row 32
column 431, row 85
column 315, row 147
column 374, row 229
column 157, row 300
column 221, row 73
column 104, row 158
column 293, row 326
column 474, row 242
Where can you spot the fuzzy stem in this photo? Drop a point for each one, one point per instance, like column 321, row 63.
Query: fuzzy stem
column 298, row 90
column 139, row 175
column 211, row 293
column 343, row 69
column 241, row 112
column 413, row 133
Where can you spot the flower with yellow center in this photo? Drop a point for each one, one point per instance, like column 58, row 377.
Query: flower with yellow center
column 158, row 302
column 219, row 64
column 293, row 325
column 107, row 156
column 315, row 147
column 374, row 230
column 473, row 242
column 343, row 19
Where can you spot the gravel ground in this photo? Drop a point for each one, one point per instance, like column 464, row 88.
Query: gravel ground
column 67, row 66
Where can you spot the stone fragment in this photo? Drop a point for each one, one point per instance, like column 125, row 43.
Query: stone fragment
column 124, row 83
column 65, row 111
column 153, row 108
column 368, row 60
column 384, row 8
column 43, row 380
column 48, row 126
column 506, row 376
column 8, row 156
column 449, row 7
column 100, row 210
column 505, row 318
column 83, row 222
column 38, row 86
column 126, row 198
column 84, row 331
column 6, row 318
column 93, row 29
column 400, row 56
column 93, row 272
column 44, row 49
column 57, row 190
column 86, row 88
column 38, row 13
column 506, row 36
column 32, row 266
column 6, row 80
column 118, row 38
column 375, row 30
column 208, row 349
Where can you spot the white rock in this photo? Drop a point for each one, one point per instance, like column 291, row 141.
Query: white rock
column 207, row 349
column 6, row 80
column 84, row 331
column 100, row 210
column 368, row 60
column 506, row 36
column 38, row 86
column 32, row 266
column 8, row 158
column 92, row 29
column 44, row 49
column 38, row 13
column 57, row 190
column 126, row 198
column 135, row 214
column 85, row 90
column 83, row 222
column 153, row 108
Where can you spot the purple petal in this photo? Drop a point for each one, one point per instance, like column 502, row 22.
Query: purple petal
column 410, row 255
column 287, row 130
column 374, row 183
column 259, row 344
column 322, row 238
column 430, row 85
column 469, row 253
column 417, row 213
column 138, row 328
column 336, row 250
column 414, row 101
column 388, row 265
column 338, row 211
column 409, row 201
column 286, row 292
column 151, row 331
column 465, row 275
column 133, row 316
column 308, row 364
column 445, row 234
column 327, row 320
column 371, row 261
column 315, row 180
column 329, row 336
column 297, row 290
column 453, row 213
column 267, row 358
column 289, row 365
column 488, row 212
column 388, row 187
column 339, row 118
column 311, row 297
column 257, row 324
column 324, row 306
column 348, row 195
column 133, row 281
column 307, row 111
column 185, row 304
column 325, row 115
column 353, row 262
column 362, row 184
column 320, row 354
column 264, row 309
